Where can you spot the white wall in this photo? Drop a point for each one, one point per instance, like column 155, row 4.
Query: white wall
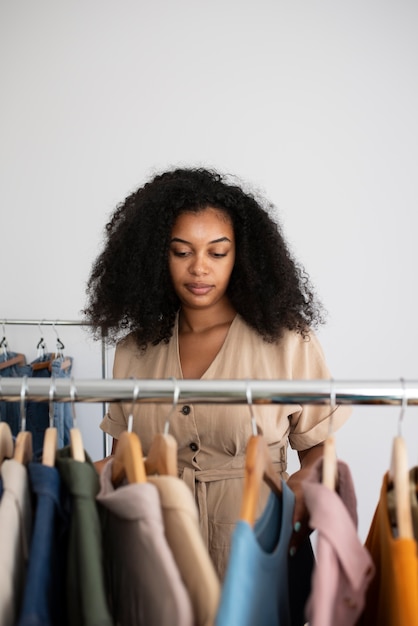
column 315, row 102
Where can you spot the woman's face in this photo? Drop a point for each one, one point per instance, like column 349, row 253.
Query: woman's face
column 201, row 257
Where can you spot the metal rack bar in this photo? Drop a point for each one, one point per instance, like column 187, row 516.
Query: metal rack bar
column 43, row 322
column 378, row 392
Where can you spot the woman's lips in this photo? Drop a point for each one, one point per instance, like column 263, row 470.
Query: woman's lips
column 198, row 289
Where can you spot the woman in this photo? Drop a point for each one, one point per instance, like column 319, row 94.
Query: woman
column 196, row 281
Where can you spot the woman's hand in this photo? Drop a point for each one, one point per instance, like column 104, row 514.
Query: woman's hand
column 300, row 514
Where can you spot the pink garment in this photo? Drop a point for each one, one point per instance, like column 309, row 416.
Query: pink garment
column 344, row 568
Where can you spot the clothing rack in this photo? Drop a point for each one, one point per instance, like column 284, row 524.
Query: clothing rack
column 61, row 322
column 368, row 392
column 58, row 322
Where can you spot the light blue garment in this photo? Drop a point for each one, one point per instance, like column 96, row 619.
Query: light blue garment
column 63, row 416
column 10, row 411
column 255, row 590
column 37, row 413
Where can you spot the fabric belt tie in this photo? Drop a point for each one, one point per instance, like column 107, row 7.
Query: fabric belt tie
column 197, row 479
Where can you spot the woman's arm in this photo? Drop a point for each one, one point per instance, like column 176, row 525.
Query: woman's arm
column 300, row 515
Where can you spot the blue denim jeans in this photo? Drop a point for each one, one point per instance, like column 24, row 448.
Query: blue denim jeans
column 37, row 413
column 63, row 416
column 10, row 411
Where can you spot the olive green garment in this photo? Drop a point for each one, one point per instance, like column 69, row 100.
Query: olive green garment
column 86, row 593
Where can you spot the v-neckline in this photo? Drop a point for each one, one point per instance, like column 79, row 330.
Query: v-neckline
column 217, row 355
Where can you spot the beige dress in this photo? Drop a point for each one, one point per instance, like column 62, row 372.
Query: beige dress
column 212, row 438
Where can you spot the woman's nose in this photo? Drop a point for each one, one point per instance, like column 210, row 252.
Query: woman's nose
column 198, row 265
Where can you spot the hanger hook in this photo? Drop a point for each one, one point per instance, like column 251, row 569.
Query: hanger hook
column 23, row 392
column 249, row 395
column 176, row 396
column 41, row 345
column 403, row 406
column 131, row 414
column 51, row 394
column 60, row 345
column 73, row 396
column 3, row 343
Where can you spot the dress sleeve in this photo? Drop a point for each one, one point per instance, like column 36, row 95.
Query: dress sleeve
column 310, row 423
column 115, row 422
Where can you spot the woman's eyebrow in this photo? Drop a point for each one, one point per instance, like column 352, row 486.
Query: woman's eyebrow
column 177, row 239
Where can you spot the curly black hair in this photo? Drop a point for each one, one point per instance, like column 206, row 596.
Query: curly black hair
column 130, row 289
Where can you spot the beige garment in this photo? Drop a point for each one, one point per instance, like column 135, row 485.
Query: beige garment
column 212, row 438
column 181, row 526
column 15, row 531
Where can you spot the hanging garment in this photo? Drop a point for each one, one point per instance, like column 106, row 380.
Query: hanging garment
column 255, row 590
column 10, row 411
column 86, row 592
column 44, row 599
column 181, row 527
column 300, row 569
column 212, row 439
column 15, row 532
column 343, row 567
column 37, row 413
column 392, row 596
column 63, row 417
column 413, row 482
column 144, row 580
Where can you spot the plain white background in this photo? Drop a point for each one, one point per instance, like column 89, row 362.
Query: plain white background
column 314, row 102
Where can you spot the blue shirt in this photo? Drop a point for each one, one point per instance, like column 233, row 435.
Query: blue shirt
column 255, row 589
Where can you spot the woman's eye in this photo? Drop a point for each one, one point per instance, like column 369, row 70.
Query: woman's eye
column 180, row 253
column 218, row 255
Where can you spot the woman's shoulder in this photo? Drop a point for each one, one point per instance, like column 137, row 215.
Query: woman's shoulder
column 287, row 339
column 300, row 350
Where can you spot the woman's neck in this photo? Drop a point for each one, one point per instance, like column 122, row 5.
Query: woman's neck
column 200, row 320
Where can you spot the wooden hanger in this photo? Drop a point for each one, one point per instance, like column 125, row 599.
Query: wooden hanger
column 329, row 459
column 76, row 445
column 128, row 461
column 76, row 440
column 50, row 444
column 399, row 478
column 23, row 447
column 162, row 456
column 19, row 359
column 42, row 365
column 49, row 449
column 258, row 467
column 329, row 464
column 6, row 442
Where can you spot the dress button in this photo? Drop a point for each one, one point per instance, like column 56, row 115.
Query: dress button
column 186, row 409
column 193, row 446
